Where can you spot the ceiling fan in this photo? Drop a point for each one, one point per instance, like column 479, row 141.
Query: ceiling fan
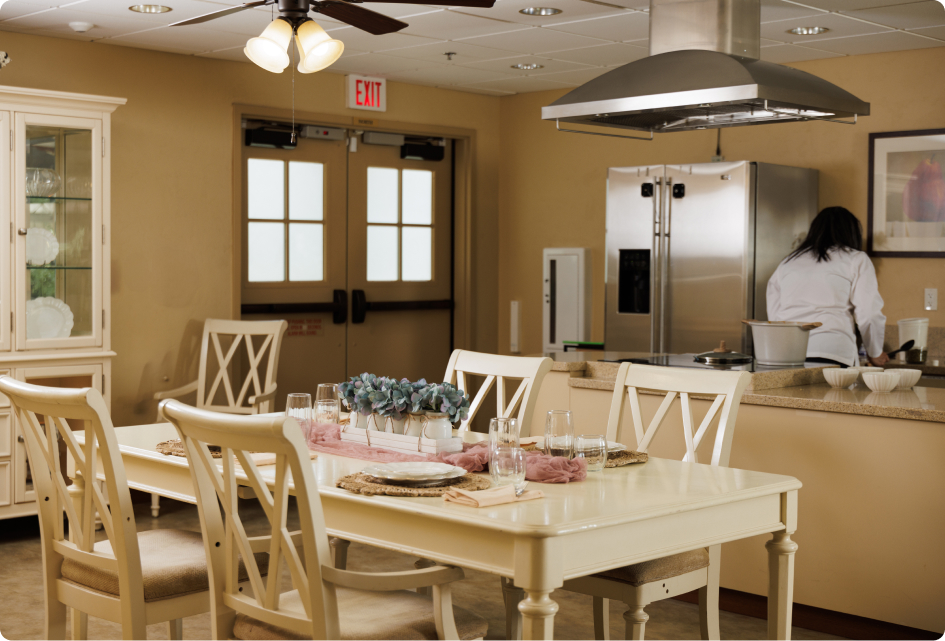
column 317, row 49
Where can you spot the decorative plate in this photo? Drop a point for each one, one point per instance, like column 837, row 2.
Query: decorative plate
column 41, row 246
column 414, row 471
column 48, row 317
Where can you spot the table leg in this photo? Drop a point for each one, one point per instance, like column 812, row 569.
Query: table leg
column 781, row 551
column 513, row 618
column 538, row 614
column 339, row 552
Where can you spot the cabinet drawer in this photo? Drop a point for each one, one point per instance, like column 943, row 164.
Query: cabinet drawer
column 4, row 401
column 6, row 434
column 5, row 485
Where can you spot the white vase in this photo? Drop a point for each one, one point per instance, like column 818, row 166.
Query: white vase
column 414, row 425
column 438, row 426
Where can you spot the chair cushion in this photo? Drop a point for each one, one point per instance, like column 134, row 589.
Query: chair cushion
column 173, row 563
column 659, row 569
column 368, row 615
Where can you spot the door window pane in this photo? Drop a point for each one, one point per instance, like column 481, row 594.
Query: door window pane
column 382, row 195
column 418, row 253
column 382, row 253
column 266, row 187
column 418, row 197
column 266, row 252
column 306, row 261
column 306, row 191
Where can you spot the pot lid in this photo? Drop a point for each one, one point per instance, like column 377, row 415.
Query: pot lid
column 721, row 355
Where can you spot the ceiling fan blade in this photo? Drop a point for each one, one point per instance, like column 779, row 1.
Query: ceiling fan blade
column 482, row 4
column 223, row 12
column 371, row 21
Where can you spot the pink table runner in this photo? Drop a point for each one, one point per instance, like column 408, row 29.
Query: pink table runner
column 474, row 457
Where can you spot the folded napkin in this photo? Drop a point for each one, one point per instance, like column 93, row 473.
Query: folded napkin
column 486, row 498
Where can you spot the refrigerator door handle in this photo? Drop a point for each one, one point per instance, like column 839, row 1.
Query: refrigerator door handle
column 655, row 272
column 664, row 263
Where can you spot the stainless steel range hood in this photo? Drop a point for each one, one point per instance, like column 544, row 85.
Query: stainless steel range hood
column 703, row 72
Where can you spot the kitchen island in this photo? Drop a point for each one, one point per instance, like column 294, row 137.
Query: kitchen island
column 870, row 511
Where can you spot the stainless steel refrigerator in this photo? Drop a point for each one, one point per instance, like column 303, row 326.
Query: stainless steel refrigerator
column 690, row 249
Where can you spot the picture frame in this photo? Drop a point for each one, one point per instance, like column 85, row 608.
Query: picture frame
column 906, row 199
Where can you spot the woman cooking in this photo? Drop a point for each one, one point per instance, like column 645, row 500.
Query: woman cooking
column 830, row 280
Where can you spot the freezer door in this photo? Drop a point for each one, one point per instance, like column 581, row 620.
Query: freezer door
column 633, row 204
column 707, row 287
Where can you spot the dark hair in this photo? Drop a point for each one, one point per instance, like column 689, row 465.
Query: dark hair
column 832, row 227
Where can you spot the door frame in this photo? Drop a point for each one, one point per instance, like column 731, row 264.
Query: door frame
column 464, row 149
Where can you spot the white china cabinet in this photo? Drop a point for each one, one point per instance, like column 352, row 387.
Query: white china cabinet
column 54, row 274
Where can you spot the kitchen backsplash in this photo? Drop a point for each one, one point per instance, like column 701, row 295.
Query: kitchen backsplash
column 936, row 340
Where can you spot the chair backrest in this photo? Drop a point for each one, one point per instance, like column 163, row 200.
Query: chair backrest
column 218, row 349
column 726, row 388
column 527, row 372
column 44, row 415
column 224, row 534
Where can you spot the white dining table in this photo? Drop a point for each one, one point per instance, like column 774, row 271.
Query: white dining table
column 614, row 518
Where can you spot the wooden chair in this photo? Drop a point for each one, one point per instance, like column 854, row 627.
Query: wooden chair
column 327, row 603
column 498, row 370
column 131, row 578
column 219, row 359
column 643, row 583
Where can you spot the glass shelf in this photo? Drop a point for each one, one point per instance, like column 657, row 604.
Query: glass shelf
column 50, row 199
column 54, row 267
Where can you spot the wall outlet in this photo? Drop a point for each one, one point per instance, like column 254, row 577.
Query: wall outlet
column 931, row 299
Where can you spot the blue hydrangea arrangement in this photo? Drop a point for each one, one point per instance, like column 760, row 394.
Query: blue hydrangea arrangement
column 369, row 394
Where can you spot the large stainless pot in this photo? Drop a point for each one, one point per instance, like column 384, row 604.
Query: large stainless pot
column 780, row 342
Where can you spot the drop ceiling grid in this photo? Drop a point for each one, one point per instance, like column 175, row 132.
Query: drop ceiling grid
column 585, row 40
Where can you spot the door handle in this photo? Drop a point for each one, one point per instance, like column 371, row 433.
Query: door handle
column 360, row 306
column 338, row 308
column 339, row 315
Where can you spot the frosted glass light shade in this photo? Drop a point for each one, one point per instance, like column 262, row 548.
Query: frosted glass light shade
column 270, row 50
column 316, row 48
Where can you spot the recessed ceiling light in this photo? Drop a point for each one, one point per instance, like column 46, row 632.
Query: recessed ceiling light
column 808, row 31
column 527, row 67
column 540, row 11
column 150, row 8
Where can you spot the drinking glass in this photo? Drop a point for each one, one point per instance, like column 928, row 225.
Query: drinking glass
column 299, row 407
column 327, row 411
column 326, row 392
column 559, row 433
column 593, row 449
column 503, row 432
column 507, row 465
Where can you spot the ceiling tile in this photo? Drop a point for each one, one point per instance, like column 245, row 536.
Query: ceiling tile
column 536, row 40
column 465, row 52
column 570, row 10
column 772, row 10
column 933, row 32
column 15, row 9
column 400, row 11
column 505, row 65
column 877, row 43
column 149, row 46
column 905, row 16
column 193, row 40
column 638, row 5
column 851, row 5
column 578, row 77
column 106, row 25
column 603, row 55
column 619, row 28
column 525, row 84
column 182, row 10
column 839, row 26
column 449, row 25
column 792, row 53
column 483, row 90
column 353, row 37
column 235, row 54
column 445, row 75
column 252, row 22
column 372, row 64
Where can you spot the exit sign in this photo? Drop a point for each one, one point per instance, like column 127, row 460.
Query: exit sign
column 368, row 93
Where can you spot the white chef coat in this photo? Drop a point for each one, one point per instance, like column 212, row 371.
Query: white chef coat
column 837, row 293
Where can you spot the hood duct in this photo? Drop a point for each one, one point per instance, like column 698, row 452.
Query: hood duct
column 703, row 72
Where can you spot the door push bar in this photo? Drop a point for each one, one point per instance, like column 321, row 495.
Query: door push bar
column 360, row 306
column 338, row 308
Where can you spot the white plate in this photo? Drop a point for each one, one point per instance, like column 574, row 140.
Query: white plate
column 414, row 471
column 48, row 318
column 41, row 246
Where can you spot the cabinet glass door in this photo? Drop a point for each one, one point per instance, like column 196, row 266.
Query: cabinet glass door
column 59, row 232
column 6, row 308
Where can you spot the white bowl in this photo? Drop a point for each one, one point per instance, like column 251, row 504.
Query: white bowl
column 837, row 377
column 779, row 343
column 881, row 381
column 908, row 377
column 864, row 370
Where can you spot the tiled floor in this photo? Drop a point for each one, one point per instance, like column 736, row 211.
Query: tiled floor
column 21, row 592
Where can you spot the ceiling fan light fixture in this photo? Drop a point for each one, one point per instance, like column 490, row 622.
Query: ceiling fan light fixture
column 270, row 49
column 317, row 50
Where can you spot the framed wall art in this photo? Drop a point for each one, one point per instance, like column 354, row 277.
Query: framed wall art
column 906, row 215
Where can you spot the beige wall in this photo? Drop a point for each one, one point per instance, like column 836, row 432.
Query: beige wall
column 172, row 153
column 552, row 185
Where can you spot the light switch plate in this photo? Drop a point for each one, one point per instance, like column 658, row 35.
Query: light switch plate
column 931, row 299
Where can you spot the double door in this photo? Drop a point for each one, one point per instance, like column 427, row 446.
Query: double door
column 351, row 244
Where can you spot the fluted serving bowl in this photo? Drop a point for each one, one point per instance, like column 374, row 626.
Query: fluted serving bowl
column 881, row 381
column 868, row 369
column 837, row 377
column 908, row 378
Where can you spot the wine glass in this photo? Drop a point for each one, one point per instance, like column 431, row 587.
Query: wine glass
column 503, row 432
column 326, row 392
column 559, row 433
column 507, row 465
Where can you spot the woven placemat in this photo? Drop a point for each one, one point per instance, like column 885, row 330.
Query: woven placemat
column 364, row 484
column 625, row 457
column 174, row 447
